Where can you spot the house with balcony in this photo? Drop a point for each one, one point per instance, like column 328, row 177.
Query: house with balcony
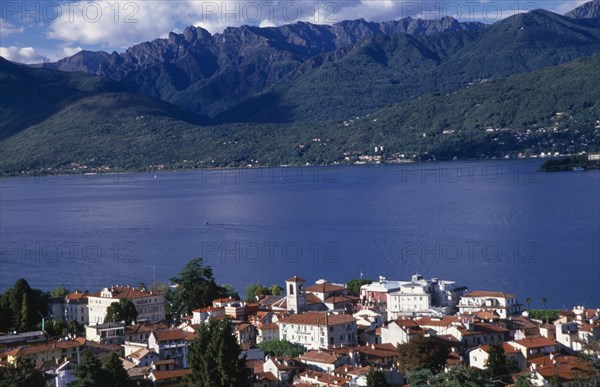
column 107, row 333
column 172, row 344
column 503, row 304
column 535, row 347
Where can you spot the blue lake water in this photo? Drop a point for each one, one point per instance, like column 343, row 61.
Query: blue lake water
column 493, row 225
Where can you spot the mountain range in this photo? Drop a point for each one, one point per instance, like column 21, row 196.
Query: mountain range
column 264, row 92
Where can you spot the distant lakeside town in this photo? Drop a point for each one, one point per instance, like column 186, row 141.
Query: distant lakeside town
column 382, row 332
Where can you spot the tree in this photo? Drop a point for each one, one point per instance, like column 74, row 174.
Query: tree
column 281, row 348
column 57, row 328
column 523, row 380
column 195, row 288
column 13, row 310
column 422, row 352
column 90, row 372
column 21, row 374
column 554, row 381
column 214, row 357
column 376, row 378
column 6, row 317
column 229, row 291
column 528, row 301
column 355, row 284
column 419, row 377
column 460, row 376
column 276, row 290
column 544, row 300
column 115, row 372
column 59, row 292
column 25, row 316
column 257, row 289
column 124, row 310
column 497, row 366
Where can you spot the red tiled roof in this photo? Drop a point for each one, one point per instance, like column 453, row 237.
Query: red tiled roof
column 324, row 288
column 260, row 376
column 163, row 362
column 319, row 357
column 453, row 359
column 567, row 368
column 487, row 315
column 140, row 353
column 208, row 309
column 145, row 328
column 536, row 342
column 485, row 293
column 126, row 292
column 339, row 299
column 174, row 334
column 312, row 299
column 318, row 318
column 378, row 350
column 482, row 328
column 76, row 295
column 170, row 374
column 225, row 299
column 351, row 370
column 44, row 347
column 506, row 346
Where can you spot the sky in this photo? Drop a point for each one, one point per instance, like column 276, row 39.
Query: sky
column 43, row 30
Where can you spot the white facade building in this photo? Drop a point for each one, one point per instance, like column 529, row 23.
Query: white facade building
column 503, row 304
column 423, row 297
column 316, row 330
column 149, row 305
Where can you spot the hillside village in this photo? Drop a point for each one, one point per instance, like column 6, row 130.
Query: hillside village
column 344, row 335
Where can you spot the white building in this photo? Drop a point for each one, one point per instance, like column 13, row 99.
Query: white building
column 376, row 293
column 172, row 344
column 76, row 307
column 503, row 304
column 417, row 297
column 535, row 346
column 149, row 305
column 412, row 299
column 107, row 333
column 401, row 331
column 267, row 332
column 316, row 330
column 479, row 356
column 201, row 315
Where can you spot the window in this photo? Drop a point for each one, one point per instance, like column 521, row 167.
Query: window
column 291, row 292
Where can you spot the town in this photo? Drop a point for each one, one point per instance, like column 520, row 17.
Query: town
column 382, row 332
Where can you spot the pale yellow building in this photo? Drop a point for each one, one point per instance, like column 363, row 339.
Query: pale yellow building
column 149, row 305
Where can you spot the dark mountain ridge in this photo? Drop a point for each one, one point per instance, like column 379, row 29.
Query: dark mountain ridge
column 208, row 74
column 589, row 10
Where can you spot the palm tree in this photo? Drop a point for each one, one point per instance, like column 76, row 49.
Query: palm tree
column 528, row 301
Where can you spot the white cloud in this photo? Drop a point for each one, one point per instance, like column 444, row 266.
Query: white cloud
column 563, row 7
column 120, row 24
column 22, row 54
column 70, row 51
column 8, row 29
